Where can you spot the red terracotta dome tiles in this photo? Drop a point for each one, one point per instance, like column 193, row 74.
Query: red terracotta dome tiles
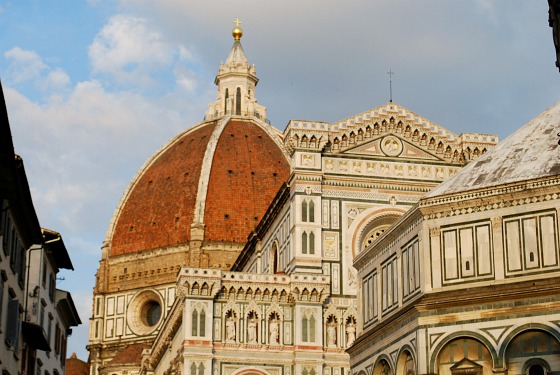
column 159, row 209
column 247, row 170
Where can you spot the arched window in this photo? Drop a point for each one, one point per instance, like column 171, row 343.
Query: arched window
column 226, row 101
column 312, row 329
column 311, row 243
column 274, row 255
column 308, row 328
column 193, row 369
column 194, row 323
column 304, row 211
column 536, row 370
column 238, row 102
column 201, row 369
column 304, row 243
column 202, row 326
column 311, row 212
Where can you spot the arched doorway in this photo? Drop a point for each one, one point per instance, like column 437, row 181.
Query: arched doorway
column 406, row 364
column 464, row 356
column 531, row 352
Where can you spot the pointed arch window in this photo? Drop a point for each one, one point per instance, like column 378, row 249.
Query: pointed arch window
column 304, row 211
column 202, row 324
column 311, row 212
column 238, row 101
column 311, row 243
column 201, row 369
column 226, row 102
column 193, row 369
column 194, row 323
column 198, row 323
column 312, row 329
column 304, row 243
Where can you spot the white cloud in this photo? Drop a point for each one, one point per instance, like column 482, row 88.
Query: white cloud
column 25, row 65
column 57, row 78
column 127, row 48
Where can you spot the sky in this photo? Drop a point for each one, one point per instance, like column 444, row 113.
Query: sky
column 94, row 87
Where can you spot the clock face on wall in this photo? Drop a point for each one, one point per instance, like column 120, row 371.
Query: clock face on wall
column 391, row 146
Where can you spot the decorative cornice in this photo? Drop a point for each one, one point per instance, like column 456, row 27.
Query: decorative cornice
column 207, row 283
column 485, row 199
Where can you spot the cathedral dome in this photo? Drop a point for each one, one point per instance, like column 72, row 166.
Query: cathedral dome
column 208, row 188
column 219, row 176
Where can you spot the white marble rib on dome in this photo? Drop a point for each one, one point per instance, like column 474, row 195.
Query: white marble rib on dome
column 529, row 153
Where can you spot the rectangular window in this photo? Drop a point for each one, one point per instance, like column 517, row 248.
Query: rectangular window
column 63, row 350
column 57, row 339
column 369, row 298
column 13, row 324
column 52, row 287
column 513, row 243
column 389, row 284
column 530, row 245
column 548, row 240
column 410, row 268
column 49, row 330
column 450, row 254
column 484, row 259
column 531, row 242
column 467, row 252
column 405, row 271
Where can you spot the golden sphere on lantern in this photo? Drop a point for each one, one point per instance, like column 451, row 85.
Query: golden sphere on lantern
column 237, row 33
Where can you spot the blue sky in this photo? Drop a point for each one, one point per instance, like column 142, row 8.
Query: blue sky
column 93, row 88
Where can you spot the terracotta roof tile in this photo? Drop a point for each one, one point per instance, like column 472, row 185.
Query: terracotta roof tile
column 130, row 355
column 75, row 366
column 248, row 168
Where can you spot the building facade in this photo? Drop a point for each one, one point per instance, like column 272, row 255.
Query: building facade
column 262, row 228
column 35, row 317
column 467, row 281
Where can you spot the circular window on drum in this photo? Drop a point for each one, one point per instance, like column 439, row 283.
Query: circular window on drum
column 145, row 312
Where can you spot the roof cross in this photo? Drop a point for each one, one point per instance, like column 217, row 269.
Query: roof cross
column 237, row 22
column 390, row 72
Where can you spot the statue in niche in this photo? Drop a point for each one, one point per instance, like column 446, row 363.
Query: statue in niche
column 273, row 329
column 230, row 329
column 331, row 334
column 350, row 334
column 252, row 331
